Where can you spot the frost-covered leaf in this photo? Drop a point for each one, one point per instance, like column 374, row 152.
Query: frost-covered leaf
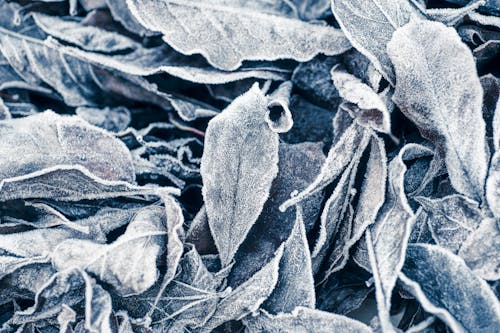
column 248, row 297
column 295, row 285
column 305, row 320
column 86, row 37
column 312, row 79
column 481, row 250
column 298, row 165
column 451, row 219
column 122, row 14
column 71, row 183
column 227, row 33
column 48, row 139
column 111, row 119
column 451, row 16
column 493, row 184
column 387, row 238
column 129, row 263
column 369, row 25
column 17, row 250
column 355, row 138
column 362, row 103
column 65, row 287
column 443, row 98
column 279, row 117
column 445, row 287
column 239, row 163
column 84, row 83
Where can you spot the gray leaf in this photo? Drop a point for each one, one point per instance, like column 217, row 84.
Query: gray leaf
column 239, row 163
column 305, row 320
column 447, row 112
column 445, row 287
column 248, row 297
column 122, row 14
column 226, row 33
column 362, row 103
column 481, row 250
column 387, row 238
column 111, row 119
column 298, row 165
column 86, row 83
column 369, row 25
column 451, row 219
column 129, row 263
column 48, row 139
column 295, row 285
column 279, row 117
column 354, row 139
column 493, row 184
column 86, row 37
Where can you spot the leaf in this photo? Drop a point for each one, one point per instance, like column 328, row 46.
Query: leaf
column 353, row 139
column 445, row 287
column 112, row 50
column 451, row 16
column 129, row 263
column 111, row 119
column 65, row 287
column 122, row 14
column 305, row 320
column 48, row 139
column 387, row 238
column 86, row 37
column 312, row 79
column 70, row 183
column 362, row 103
column 298, row 165
column 248, row 297
column 445, row 111
column 295, row 286
column 369, row 25
column 493, row 184
column 226, row 33
column 191, row 298
column 279, row 117
column 481, row 250
column 451, row 219
column 238, row 166
column 84, row 83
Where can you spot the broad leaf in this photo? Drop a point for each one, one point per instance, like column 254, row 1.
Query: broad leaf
column 305, row 320
column 447, row 112
column 227, row 33
column 445, row 287
column 369, row 25
column 129, row 264
column 239, row 163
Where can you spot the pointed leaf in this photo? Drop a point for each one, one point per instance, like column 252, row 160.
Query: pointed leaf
column 239, row 163
column 447, row 112
column 445, row 287
column 228, row 33
column 369, row 25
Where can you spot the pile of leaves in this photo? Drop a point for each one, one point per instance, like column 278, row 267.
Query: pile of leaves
column 249, row 166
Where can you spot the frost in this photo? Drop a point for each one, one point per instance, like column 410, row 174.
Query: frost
column 443, row 109
column 227, row 33
column 240, row 161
